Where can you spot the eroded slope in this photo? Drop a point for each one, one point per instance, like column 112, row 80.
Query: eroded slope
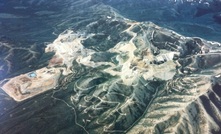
column 124, row 76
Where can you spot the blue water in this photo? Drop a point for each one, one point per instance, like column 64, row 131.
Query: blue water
column 32, row 24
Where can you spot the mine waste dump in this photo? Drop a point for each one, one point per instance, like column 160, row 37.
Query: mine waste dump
column 110, row 67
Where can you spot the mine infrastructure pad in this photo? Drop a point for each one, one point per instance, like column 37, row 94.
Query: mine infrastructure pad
column 31, row 84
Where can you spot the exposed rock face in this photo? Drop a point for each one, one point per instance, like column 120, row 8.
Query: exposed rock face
column 152, row 82
column 123, row 76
